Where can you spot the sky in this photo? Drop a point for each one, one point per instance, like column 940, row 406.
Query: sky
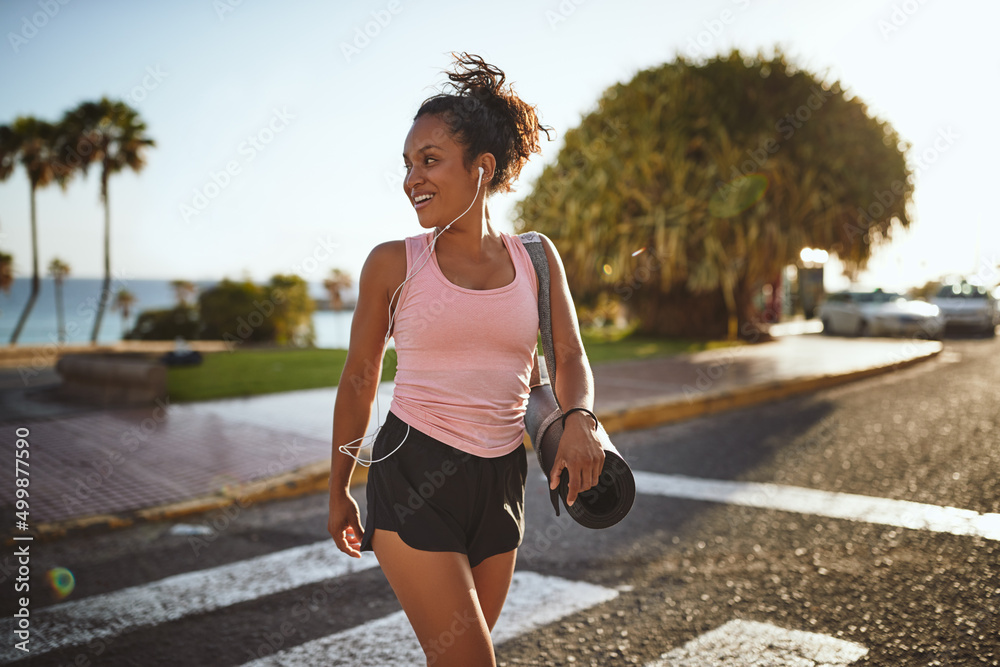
column 281, row 124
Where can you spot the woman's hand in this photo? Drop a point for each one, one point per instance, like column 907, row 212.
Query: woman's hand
column 580, row 452
column 345, row 523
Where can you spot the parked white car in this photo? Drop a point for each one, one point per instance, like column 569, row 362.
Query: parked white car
column 968, row 307
column 878, row 313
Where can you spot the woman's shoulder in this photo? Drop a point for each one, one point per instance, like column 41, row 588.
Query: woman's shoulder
column 387, row 254
column 386, row 260
column 390, row 255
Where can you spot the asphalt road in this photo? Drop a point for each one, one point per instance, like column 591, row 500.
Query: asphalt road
column 679, row 567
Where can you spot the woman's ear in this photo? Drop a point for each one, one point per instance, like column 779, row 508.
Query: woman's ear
column 489, row 165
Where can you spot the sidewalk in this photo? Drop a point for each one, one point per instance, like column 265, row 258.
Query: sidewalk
column 95, row 469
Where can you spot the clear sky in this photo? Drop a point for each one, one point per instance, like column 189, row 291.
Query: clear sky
column 321, row 186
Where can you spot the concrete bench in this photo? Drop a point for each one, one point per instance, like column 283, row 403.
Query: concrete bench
column 113, row 379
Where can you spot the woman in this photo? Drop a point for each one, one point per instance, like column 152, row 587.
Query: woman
column 446, row 492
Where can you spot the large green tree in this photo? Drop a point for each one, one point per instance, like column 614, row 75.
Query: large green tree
column 111, row 134
column 693, row 184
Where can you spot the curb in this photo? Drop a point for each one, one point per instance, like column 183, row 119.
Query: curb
column 315, row 477
column 310, row 478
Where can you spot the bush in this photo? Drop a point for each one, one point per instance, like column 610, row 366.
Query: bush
column 293, row 312
column 166, row 324
column 279, row 312
column 238, row 312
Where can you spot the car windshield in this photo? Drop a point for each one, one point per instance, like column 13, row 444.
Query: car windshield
column 962, row 291
column 874, row 297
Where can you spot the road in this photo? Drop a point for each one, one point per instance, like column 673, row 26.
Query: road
column 795, row 549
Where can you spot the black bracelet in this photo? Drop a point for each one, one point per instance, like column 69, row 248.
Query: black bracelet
column 567, row 413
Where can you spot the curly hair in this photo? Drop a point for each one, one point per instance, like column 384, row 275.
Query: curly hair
column 485, row 118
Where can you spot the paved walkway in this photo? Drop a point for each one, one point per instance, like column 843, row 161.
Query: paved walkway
column 103, row 468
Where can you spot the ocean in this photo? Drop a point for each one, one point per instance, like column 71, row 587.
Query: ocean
column 80, row 297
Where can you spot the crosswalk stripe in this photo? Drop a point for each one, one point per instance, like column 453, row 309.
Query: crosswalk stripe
column 901, row 513
column 534, row 600
column 79, row 621
column 741, row 643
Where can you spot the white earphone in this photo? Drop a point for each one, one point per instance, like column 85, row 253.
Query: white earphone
column 392, row 316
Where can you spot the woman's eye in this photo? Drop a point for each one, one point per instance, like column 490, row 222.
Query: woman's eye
column 407, row 167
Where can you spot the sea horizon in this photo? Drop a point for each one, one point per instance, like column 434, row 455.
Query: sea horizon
column 80, row 298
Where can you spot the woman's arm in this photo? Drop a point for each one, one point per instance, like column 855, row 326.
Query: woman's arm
column 580, row 450
column 382, row 273
column 363, row 367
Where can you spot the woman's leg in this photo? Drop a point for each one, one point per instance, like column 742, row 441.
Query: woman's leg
column 438, row 594
column 492, row 577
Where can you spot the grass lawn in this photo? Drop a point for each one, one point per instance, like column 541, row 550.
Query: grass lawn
column 248, row 372
column 600, row 348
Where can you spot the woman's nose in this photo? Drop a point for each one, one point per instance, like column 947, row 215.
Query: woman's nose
column 411, row 180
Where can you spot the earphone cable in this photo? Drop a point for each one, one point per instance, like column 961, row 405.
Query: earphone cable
column 392, row 317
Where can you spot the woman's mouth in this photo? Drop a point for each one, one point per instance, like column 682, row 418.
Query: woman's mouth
column 422, row 201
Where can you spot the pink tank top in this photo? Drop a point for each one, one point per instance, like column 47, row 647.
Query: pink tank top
column 464, row 356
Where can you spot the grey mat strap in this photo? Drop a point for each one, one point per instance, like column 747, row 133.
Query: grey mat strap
column 533, row 244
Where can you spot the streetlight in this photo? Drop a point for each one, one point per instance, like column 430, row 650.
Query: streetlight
column 810, row 279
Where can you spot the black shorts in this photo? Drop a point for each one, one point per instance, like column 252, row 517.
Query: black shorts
column 439, row 498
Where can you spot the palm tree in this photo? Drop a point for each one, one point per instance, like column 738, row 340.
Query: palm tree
column 35, row 144
column 183, row 290
column 112, row 134
column 10, row 145
column 59, row 269
column 337, row 281
column 124, row 300
column 8, row 160
column 6, row 272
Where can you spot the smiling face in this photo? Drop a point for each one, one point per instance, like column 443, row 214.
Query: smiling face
column 434, row 166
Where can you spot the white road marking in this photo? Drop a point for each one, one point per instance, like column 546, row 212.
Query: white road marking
column 530, row 603
column 741, row 643
column 534, row 600
column 80, row 621
column 901, row 513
